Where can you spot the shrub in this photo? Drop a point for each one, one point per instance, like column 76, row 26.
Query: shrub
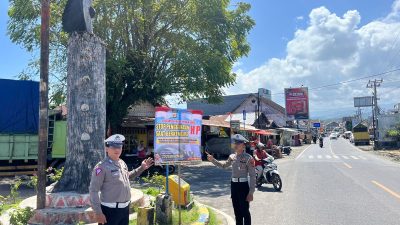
column 21, row 216
column 56, row 176
column 14, row 190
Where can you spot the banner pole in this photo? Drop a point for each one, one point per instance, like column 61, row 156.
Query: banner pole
column 166, row 180
column 179, row 169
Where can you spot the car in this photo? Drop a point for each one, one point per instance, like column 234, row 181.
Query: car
column 333, row 136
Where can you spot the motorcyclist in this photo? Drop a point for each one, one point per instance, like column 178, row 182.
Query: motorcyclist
column 259, row 154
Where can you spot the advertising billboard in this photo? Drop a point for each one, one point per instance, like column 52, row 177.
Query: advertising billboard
column 366, row 101
column 177, row 135
column 297, row 103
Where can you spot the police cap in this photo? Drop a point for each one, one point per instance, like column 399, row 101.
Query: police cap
column 237, row 138
column 116, row 140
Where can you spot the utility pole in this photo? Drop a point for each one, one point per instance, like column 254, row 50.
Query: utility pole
column 43, row 113
column 374, row 84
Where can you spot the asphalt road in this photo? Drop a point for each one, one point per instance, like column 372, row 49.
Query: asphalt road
column 337, row 184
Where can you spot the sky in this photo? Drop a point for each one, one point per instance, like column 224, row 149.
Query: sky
column 300, row 42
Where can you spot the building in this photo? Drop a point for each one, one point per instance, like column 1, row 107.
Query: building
column 245, row 108
column 330, row 126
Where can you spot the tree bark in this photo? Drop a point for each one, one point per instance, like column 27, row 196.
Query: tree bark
column 86, row 102
column 44, row 104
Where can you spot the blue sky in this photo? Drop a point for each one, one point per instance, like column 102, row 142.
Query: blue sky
column 299, row 42
column 13, row 58
column 277, row 20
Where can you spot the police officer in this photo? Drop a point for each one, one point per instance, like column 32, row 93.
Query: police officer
column 111, row 178
column 242, row 187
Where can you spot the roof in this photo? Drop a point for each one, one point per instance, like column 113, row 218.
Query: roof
column 228, row 104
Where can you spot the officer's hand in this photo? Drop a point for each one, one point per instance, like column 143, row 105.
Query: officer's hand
column 101, row 218
column 249, row 198
column 147, row 163
column 209, row 157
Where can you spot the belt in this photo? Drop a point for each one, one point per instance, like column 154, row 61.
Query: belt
column 241, row 179
column 118, row 205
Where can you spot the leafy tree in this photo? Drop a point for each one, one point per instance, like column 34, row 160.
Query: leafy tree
column 155, row 47
column 395, row 132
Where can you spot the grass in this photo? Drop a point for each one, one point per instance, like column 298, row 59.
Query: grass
column 213, row 220
column 188, row 217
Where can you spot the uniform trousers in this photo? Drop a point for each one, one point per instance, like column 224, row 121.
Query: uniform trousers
column 241, row 207
column 116, row 216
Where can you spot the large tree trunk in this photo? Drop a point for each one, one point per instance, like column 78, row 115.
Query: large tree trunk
column 86, row 102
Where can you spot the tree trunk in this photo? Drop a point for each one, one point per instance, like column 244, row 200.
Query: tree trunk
column 86, row 102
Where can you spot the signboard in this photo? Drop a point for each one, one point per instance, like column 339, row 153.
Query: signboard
column 366, row 101
column 297, row 103
column 316, row 124
column 177, row 135
column 235, row 125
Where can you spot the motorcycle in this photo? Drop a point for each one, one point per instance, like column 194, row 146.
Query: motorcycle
column 285, row 149
column 268, row 174
column 321, row 143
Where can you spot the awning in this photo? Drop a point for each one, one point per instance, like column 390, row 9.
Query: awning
column 265, row 132
column 215, row 123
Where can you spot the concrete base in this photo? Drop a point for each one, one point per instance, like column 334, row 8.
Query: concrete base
column 70, row 208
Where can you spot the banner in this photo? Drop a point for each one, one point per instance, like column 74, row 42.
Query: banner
column 297, row 103
column 177, row 135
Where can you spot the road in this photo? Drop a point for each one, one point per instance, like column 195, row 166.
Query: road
column 337, row 184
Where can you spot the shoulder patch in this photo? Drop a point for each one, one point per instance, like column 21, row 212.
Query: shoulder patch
column 252, row 162
column 98, row 171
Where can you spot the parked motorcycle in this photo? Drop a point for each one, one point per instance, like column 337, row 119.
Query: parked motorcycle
column 268, row 174
column 285, row 149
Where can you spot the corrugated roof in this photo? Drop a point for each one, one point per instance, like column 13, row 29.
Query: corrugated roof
column 229, row 104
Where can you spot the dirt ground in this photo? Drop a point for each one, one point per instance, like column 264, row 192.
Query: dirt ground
column 393, row 155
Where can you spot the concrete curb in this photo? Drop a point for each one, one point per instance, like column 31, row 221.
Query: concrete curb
column 204, row 215
column 228, row 218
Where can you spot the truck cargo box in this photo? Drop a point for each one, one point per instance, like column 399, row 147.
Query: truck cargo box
column 19, row 101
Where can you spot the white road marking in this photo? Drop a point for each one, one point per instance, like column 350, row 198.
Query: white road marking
column 310, row 156
column 335, row 156
column 353, row 157
column 303, row 151
column 319, row 156
column 328, row 156
column 345, row 157
column 362, row 157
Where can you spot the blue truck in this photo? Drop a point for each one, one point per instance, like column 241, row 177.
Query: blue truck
column 19, row 121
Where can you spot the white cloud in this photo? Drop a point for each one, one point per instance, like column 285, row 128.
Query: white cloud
column 300, row 18
column 329, row 50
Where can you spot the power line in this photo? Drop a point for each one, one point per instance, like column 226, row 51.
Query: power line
column 348, row 81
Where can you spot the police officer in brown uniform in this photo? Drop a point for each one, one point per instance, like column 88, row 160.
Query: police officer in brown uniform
column 243, row 179
column 111, row 178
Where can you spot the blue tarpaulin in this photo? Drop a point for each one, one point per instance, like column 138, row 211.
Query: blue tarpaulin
column 19, row 106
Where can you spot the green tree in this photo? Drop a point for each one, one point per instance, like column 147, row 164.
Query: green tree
column 394, row 132
column 155, row 47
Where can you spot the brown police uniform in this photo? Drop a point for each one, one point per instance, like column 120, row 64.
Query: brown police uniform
column 243, row 182
column 111, row 178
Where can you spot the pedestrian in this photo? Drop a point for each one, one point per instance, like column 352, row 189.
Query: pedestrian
column 111, row 178
column 242, row 188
